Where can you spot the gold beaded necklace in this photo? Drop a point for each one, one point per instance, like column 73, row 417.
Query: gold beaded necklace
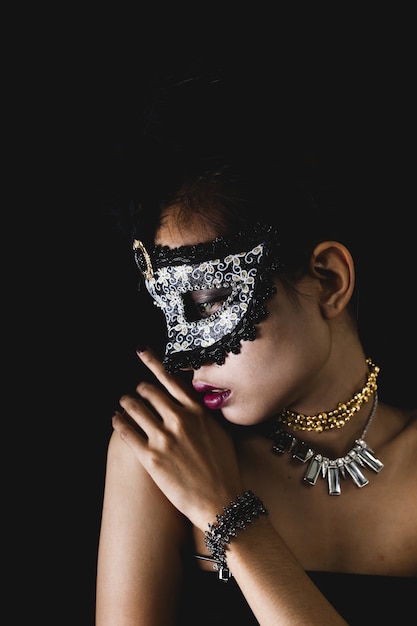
column 349, row 465
column 340, row 415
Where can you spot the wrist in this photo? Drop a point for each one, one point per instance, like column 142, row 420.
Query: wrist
column 235, row 518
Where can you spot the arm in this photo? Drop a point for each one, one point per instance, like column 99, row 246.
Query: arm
column 138, row 569
column 272, row 581
column 192, row 459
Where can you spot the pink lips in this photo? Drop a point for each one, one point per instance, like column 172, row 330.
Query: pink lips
column 213, row 398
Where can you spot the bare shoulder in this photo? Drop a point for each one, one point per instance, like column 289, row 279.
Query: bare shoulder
column 411, row 421
column 131, row 490
column 411, row 418
column 409, row 432
column 407, row 422
column 398, row 440
column 397, row 422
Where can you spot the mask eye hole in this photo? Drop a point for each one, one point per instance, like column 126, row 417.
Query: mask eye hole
column 203, row 303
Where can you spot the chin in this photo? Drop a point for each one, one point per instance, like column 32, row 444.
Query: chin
column 241, row 417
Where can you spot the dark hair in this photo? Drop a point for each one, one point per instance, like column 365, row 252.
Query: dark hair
column 223, row 145
column 323, row 165
column 225, row 149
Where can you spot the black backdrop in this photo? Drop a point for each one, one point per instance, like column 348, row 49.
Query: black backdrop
column 92, row 315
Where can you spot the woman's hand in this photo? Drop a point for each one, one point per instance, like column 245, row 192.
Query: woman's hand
column 186, row 451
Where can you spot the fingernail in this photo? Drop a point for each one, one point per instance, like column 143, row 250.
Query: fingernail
column 140, row 348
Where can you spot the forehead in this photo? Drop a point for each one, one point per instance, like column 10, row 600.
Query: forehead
column 178, row 229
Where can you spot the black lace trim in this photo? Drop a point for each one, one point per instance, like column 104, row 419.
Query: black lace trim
column 162, row 256
column 245, row 331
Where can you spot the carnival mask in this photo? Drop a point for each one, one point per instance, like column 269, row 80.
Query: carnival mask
column 212, row 294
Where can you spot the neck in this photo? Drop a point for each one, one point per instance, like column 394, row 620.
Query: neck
column 337, row 417
column 332, row 430
column 335, row 442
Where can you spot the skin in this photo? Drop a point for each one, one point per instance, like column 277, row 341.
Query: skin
column 307, row 356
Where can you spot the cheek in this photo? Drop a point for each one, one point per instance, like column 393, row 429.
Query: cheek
column 284, row 353
column 290, row 347
column 293, row 326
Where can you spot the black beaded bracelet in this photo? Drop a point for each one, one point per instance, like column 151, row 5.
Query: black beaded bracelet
column 235, row 517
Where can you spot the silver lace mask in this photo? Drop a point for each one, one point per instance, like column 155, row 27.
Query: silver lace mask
column 233, row 274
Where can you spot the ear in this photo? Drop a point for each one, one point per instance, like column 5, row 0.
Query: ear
column 332, row 263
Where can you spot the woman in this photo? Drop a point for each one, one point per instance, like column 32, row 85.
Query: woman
column 257, row 477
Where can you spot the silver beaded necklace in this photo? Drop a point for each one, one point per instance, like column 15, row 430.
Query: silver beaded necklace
column 359, row 456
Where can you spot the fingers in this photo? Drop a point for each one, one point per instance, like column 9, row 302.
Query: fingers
column 177, row 387
column 156, row 408
column 136, row 440
column 136, row 412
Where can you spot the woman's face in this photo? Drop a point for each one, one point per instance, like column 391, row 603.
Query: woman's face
column 283, row 363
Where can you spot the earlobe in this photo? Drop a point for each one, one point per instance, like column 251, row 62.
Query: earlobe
column 333, row 265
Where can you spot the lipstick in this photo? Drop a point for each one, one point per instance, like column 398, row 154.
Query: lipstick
column 213, row 398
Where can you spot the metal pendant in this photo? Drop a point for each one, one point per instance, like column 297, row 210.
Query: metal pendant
column 350, row 465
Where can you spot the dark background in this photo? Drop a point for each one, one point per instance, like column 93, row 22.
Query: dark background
column 87, row 315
